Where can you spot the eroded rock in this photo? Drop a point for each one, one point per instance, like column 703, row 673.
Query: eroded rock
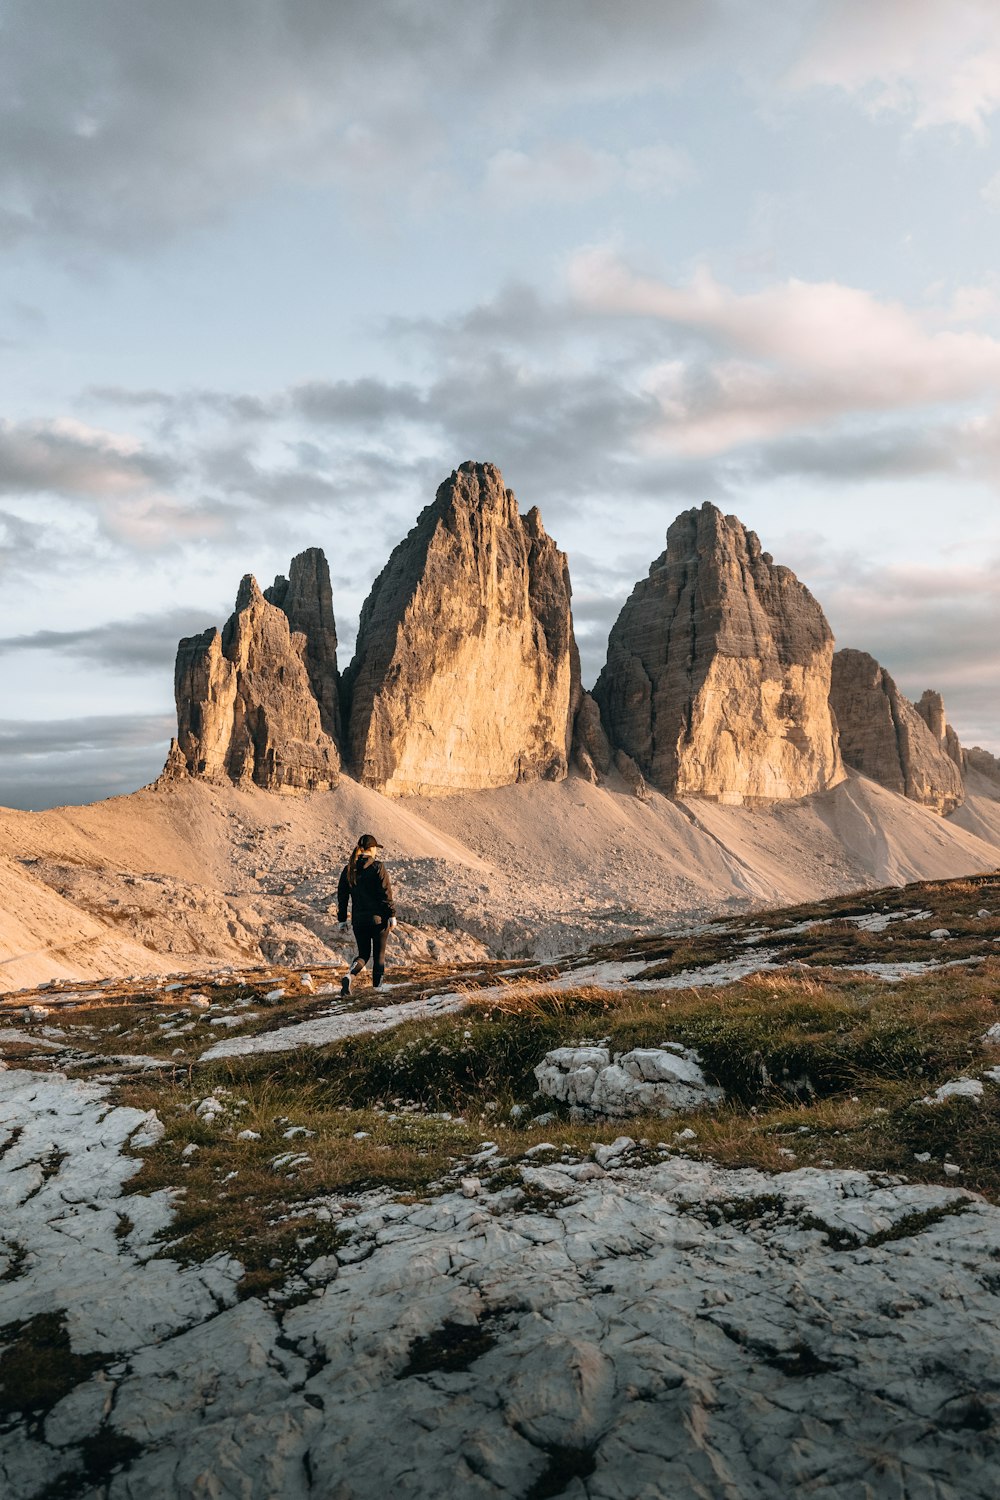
column 466, row 673
column 885, row 737
column 718, row 672
column 247, row 709
column 658, row 1080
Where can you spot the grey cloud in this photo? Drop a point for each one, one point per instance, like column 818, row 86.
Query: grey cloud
column 54, row 458
column 46, row 763
column 363, row 403
column 899, row 452
column 125, row 120
column 93, row 732
column 143, row 643
column 934, row 629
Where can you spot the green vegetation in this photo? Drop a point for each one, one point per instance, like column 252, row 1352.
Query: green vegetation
column 822, row 1066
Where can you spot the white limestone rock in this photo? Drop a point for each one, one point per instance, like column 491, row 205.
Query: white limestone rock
column 956, row 1088
column 657, row 1080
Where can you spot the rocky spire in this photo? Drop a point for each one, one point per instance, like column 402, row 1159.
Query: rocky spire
column 307, row 599
column 466, row 673
column 884, row 736
column 246, row 709
column 931, row 710
column 717, row 680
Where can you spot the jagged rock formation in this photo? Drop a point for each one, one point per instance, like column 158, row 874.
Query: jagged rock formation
column 307, row 599
column 884, row 736
column 592, row 753
column 466, row 673
column 718, row 672
column 246, row 708
column 931, row 710
column 983, row 761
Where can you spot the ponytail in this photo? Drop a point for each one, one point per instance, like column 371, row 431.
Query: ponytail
column 367, row 845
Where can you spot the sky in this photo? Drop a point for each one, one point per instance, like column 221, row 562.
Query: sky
column 269, row 272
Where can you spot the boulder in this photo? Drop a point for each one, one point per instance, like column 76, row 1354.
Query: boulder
column 466, row 673
column 717, row 680
column 246, row 709
column 647, row 1080
column 886, row 737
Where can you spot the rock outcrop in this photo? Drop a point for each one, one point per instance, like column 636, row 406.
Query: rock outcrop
column 592, row 753
column 886, row 737
column 983, row 761
column 718, row 673
column 246, row 707
column 649, row 1080
column 931, row 710
column 466, row 673
column 307, row 599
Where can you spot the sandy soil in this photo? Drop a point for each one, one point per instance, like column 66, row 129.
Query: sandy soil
column 186, row 874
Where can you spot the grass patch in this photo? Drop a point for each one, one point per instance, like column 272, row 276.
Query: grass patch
column 453, row 1346
column 38, row 1367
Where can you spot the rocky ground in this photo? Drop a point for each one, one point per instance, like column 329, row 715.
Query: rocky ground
column 260, row 1240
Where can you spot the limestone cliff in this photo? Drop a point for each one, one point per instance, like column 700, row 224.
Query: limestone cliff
column 718, row 673
column 983, row 761
column 307, row 599
column 246, row 708
column 931, row 710
column 884, row 736
column 466, row 672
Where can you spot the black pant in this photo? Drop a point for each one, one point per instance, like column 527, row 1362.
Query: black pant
column 371, row 935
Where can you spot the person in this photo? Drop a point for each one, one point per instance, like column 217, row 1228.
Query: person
column 364, row 882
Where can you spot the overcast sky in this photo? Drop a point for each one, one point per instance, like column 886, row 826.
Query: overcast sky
column 270, row 271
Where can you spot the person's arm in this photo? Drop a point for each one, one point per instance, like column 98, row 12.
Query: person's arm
column 343, row 892
column 388, row 905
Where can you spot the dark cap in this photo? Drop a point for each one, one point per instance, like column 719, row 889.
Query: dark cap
column 368, row 841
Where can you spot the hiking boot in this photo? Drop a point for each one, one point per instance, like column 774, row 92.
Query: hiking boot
column 345, row 987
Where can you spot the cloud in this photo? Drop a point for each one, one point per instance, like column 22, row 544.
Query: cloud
column 938, row 64
column 146, row 642
column 65, row 456
column 561, row 172
column 931, row 626
column 128, row 121
column 794, row 355
column 54, row 761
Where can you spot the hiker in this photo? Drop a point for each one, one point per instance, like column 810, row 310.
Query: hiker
column 364, row 881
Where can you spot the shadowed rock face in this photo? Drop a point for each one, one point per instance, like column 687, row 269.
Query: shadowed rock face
column 718, row 673
column 246, row 709
column 466, row 673
column 931, row 710
column 307, row 599
column 983, row 761
column 884, row 736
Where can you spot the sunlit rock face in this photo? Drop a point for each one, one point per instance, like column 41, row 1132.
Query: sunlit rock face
column 931, row 710
column 466, row 673
column 246, row 706
column 884, row 736
column 717, row 681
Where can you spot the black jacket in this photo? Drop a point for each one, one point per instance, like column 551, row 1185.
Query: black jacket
column 371, row 895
